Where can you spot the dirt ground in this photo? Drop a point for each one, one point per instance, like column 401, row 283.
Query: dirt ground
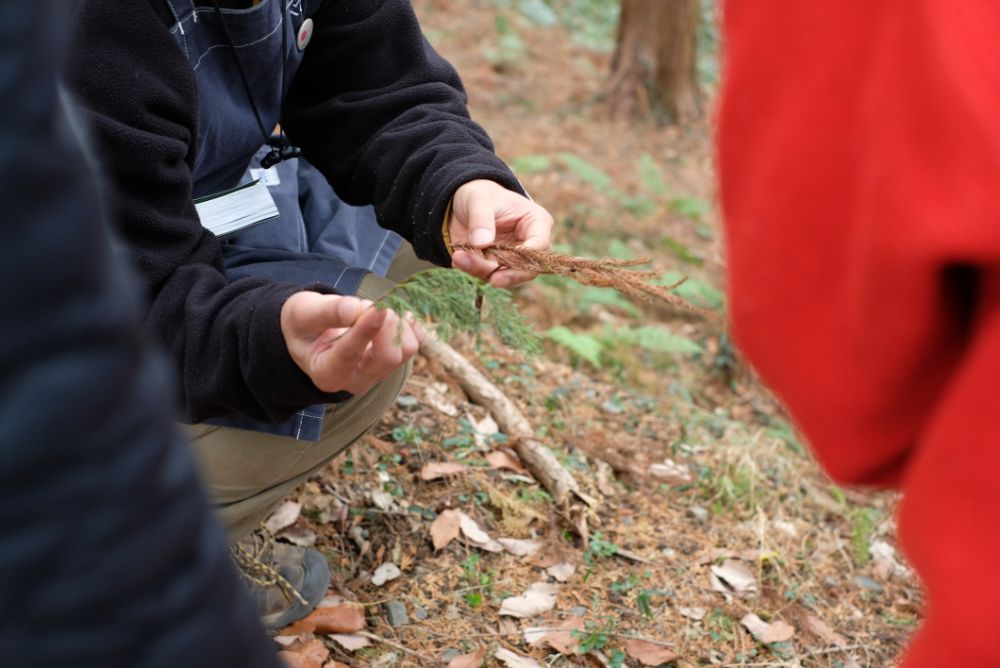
column 713, row 536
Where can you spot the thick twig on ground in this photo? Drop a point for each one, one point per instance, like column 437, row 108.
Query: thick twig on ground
column 556, row 480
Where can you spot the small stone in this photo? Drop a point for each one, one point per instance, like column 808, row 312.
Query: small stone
column 868, row 583
column 612, row 407
column 578, row 611
column 395, row 610
column 627, row 521
column 420, row 613
column 407, row 401
column 450, row 654
column 699, row 514
column 384, row 573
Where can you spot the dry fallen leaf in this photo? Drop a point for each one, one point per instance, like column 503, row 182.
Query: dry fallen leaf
column 735, row 576
column 283, row 517
column 483, row 429
column 335, row 664
column 435, row 470
column 298, row 535
column 445, row 528
column 671, row 472
column 520, row 547
column 310, row 655
column 327, row 620
column 560, row 637
column 384, row 501
column 539, row 597
column 474, row 660
column 475, row 535
column 697, row 614
column 605, row 478
column 777, row 631
column 435, row 395
column 501, row 459
column 512, row 660
column 823, row 631
column 351, row 642
column 648, row 653
column 561, row 572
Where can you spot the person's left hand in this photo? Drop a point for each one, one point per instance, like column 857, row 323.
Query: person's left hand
column 483, row 213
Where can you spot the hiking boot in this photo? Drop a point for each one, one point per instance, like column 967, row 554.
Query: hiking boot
column 285, row 582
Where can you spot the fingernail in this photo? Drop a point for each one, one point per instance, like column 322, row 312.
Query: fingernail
column 481, row 237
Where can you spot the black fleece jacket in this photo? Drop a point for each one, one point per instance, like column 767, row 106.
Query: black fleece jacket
column 372, row 106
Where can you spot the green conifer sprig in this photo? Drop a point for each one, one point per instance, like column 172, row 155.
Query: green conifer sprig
column 452, row 301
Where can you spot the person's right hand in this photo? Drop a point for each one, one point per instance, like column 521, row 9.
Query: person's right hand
column 342, row 344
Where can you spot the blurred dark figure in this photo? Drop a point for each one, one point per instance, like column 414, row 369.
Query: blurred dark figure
column 109, row 555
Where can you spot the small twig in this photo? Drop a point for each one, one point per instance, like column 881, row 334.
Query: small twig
column 604, row 273
column 401, row 648
column 543, row 629
column 805, row 655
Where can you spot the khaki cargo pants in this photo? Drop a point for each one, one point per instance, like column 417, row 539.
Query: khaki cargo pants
column 248, row 473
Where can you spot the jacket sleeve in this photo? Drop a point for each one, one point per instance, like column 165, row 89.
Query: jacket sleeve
column 138, row 94
column 107, row 542
column 384, row 117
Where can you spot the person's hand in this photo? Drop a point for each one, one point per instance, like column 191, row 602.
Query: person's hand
column 342, row 343
column 484, row 212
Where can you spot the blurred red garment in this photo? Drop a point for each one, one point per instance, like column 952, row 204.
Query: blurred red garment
column 859, row 158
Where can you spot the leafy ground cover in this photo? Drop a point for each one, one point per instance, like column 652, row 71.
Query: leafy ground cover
column 714, row 538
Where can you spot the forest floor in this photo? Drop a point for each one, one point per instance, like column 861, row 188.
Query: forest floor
column 715, row 538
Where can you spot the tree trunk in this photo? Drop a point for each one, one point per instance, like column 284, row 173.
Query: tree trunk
column 655, row 66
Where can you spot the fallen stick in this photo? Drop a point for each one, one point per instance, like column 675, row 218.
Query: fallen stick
column 556, row 480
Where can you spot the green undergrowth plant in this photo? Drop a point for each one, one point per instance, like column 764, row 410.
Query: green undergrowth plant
column 453, row 301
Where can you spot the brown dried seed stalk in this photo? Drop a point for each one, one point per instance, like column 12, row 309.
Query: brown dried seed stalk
column 606, row 273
